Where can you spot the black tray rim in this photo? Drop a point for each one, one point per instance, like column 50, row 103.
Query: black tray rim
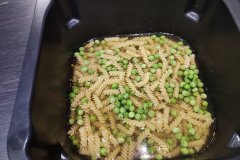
column 20, row 133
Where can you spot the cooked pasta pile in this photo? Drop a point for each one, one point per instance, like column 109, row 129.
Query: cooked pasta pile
column 138, row 97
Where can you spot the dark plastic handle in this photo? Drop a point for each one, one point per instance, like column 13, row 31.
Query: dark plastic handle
column 195, row 9
column 69, row 12
column 234, row 8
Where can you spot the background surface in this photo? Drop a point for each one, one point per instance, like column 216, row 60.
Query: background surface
column 15, row 22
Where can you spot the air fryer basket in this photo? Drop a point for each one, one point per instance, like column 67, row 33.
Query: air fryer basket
column 206, row 25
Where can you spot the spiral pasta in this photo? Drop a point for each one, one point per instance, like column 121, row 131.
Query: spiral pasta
column 124, row 87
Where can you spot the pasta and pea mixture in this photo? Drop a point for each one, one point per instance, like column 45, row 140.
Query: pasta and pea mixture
column 138, row 97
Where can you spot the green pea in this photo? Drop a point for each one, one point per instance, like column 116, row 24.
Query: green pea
column 188, row 51
column 151, row 79
column 135, row 60
column 203, row 96
column 151, row 113
column 189, row 126
column 173, row 63
column 120, row 116
column 126, row 115
column 180, row 43
column 150, row 142
column 145, row 105
column 87, row 84
column 184, row 151
column 192, row 102
column 138, row 78
column 131, row 108
column 116, row 110
column 204, row 103
column 191, row 131
column 138, row 116
column 165, row 54
column 134, row 71
column 155, row 66
column 84, row 100
column 184, row 144
column 169, row 140
column 120, row 96
column 153, row 36
column 196, row 136
column 174, row 113
column 82, row 53
column 75, row 142
column 191, row 77
column 204, row 108
column 124, row 102
column 72, row 95
column 151, row 150
column 167, row 85
column 170, row 90
column 71, row 121
column 117, row 104
column 90, row 71
column 178, row 135
column 112, row 99
column 93, row 118
column 72, row 137
column 185, row 73
column 131, row 114
column 180, row 96
column 84, row 69
column 149, row 104
column 201, row 90
column 91, row 49
column 128, row 140
column 126, row 95
column 103, row 151
column 159, row 157
column 158, row 47
column 182, row 67
column 186, row 86
column 208, row 114
column 115, row 86
column 196, row 71
column 173, row 100
column 72, row 109
column 172, row 85
column 175, row 130
column 117, row 50
column 200, row 111
column 170, row 71
column 153, row 70
column 109, row 68
column 157, row 39
column 144, row 116
column 196, row 109
column 125, row 61
column 190, row 151
column 122, row 110
column 140, row 111
column 126, row 107
column 157, row 88
column 76, row 54
column 151, row 58
column 160, row 65
column 156, row 56
column 80, row 122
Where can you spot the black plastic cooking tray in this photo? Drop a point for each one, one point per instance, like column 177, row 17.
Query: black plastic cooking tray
column 39, row 123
